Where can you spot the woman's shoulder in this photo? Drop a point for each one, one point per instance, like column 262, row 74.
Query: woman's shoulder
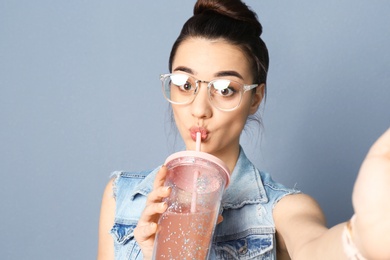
column 270, row 183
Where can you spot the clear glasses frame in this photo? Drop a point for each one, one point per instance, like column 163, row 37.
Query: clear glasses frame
column 216, row 89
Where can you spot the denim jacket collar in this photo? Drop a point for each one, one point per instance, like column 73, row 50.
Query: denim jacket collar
column 246, row 186
column 146, row 186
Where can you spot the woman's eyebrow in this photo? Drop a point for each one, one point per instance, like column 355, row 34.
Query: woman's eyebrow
column 184, row 69
column 228, row 73
column 223, row 73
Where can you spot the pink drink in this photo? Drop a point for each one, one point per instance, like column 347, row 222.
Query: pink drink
column 186, row 228
column 184, row 235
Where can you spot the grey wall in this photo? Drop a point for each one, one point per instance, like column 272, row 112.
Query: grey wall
column 80, row 97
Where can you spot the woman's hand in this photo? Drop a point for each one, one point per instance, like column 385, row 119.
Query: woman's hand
column 146, row 228
column 371, row 201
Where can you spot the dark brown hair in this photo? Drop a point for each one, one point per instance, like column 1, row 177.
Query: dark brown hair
column 232, row 21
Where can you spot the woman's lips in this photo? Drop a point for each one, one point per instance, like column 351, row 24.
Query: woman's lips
column 203, row 133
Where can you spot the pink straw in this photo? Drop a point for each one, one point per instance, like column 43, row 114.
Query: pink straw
column 194, row 194
column 196, row 175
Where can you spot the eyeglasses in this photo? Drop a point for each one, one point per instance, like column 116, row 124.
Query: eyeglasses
column 224, row 94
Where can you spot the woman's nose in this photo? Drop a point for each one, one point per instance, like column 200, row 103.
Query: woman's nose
column 201, row 107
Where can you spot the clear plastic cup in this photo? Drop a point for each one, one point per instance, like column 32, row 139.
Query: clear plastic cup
column 186, row 228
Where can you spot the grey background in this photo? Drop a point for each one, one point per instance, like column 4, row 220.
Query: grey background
column 80, row 97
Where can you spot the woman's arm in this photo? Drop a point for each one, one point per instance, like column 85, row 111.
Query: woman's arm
column 301, row 230
column 301, row 226
column 107, row 214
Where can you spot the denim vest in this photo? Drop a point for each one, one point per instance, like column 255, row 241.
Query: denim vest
column 246, row 232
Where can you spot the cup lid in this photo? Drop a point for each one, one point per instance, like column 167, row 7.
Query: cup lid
column 204, row 156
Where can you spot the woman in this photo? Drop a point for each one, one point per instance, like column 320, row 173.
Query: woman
column 261, row 219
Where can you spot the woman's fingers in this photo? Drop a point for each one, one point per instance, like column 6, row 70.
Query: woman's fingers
column 160, row 177
column 152, row 212
column 147, row 225
column 158, row 195
column 145, row 232
column 154, row 207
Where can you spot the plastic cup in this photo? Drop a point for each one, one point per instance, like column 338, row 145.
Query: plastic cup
column 186, row 228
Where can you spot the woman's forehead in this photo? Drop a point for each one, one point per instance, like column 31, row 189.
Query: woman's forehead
column 202, row 55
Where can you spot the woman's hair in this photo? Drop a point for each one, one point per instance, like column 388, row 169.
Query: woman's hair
column 232, row 21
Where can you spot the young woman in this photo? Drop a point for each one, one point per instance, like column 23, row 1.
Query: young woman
column 261, row 219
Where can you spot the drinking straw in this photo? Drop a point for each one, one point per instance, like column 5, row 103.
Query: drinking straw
column 194, row 194
column 196, row 175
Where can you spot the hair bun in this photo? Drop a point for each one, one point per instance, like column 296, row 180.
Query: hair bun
column 234, row 9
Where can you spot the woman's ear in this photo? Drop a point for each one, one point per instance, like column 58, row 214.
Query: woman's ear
column 257, row 97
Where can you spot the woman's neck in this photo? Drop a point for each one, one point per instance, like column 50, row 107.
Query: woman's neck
column 229, row 157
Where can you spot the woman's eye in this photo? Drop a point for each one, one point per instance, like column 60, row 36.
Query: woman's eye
column 227, row 92
column 186, row 86
column 224, row 87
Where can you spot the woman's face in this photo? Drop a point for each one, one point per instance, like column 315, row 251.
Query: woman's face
column 220, row 130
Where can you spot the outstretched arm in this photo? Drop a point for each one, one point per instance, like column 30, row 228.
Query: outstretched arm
column 300, row 223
